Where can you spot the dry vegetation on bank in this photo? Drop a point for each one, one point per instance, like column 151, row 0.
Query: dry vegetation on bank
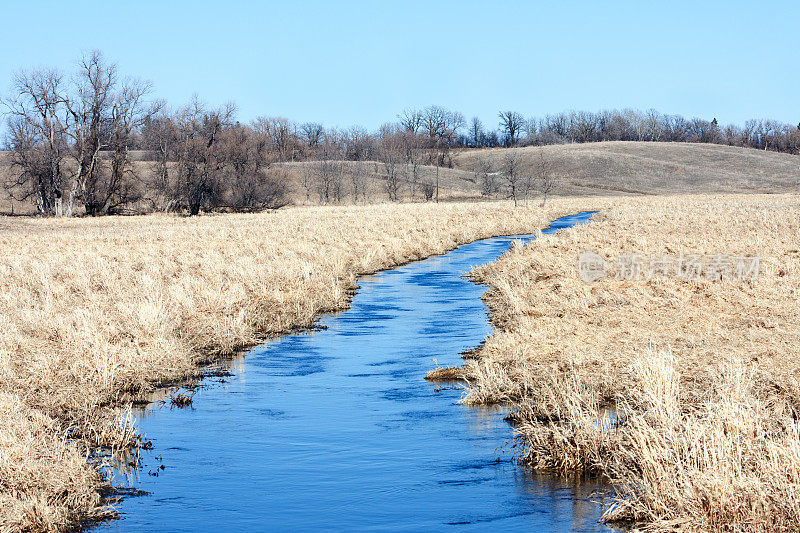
column 95, row 312
column 704, row 375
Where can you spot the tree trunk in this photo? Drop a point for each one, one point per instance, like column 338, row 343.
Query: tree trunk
column 71, row 202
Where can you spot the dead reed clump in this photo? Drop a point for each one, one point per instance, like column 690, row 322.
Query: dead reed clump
column 725, row 463
column 683, row 393
column 447, row 373
column 178, row 399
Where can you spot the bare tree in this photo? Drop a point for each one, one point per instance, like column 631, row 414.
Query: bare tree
column 359, row 145
column 512, row 123
column 428, row 189
column 89, row 110
column 476, row 132
column 359, row 180
column 282, row 135
column 390, row 155
column 312, row 133
column 38, row 139
column 412, row 148
column 69, row 125
column 307, row 180
column 329, row 169
column 329, row 180
column 410, row 120
column 250, row 181
column 200, row 163
column 486, row 178
column 160, row 138
column 441, row 127
column 545, row 178
column 512, row 173
column 129, row 112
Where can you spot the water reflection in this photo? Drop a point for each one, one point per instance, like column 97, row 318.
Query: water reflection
column 337, row 429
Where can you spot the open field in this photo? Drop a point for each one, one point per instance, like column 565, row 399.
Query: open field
column 591, row 169
column 654, row 167
column 97, row 312
column 683, row 392
column 604, row 168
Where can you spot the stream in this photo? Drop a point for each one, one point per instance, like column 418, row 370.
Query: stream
column 336, row 429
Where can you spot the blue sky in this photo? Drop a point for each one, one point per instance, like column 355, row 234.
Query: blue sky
column 363, row 62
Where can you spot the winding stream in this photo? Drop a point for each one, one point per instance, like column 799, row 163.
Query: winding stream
column 337, row 429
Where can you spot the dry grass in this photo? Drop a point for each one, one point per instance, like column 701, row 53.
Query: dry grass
column 94, row 313
column 646, row 168
column 703, row 377
column 447, row 373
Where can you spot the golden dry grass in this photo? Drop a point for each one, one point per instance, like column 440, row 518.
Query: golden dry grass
column 96, row 312
column 703, row 376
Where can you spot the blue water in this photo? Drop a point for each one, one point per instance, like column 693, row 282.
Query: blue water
column 337, row 430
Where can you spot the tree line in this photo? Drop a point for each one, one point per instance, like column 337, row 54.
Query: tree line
column 633, row 125
column 95, row 142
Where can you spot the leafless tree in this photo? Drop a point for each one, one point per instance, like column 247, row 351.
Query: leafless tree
column 329, row 180
column 545, row 177
column 38, row 140
column 89, row 111
column 390, row 155
column 69, row 125
column 511, row 123
column 428, row 189
column 308, row 180
column 160, row 138
column 486, row 178
column 330, row 169
column 512, row 173
column 412, row 148
column 250, row 180
column 476, row 132
column 312, row 133
column 410, row 120
column 200, row 162
column 359, row 181
column 441, row 127
column 359, row 145
column 282, row 135
column 129, row 112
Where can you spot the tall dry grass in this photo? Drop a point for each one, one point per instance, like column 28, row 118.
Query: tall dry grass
column 685, row 394
column 94, row 313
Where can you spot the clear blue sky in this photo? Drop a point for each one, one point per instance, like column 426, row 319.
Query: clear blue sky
column 344, row 63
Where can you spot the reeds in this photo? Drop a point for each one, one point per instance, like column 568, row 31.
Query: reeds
column 684, row 394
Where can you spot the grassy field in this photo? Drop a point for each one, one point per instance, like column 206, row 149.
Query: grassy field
column 641, row 168
column 95, row 313
column 683, row 392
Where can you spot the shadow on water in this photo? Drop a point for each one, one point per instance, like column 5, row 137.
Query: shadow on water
column 337, row 429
